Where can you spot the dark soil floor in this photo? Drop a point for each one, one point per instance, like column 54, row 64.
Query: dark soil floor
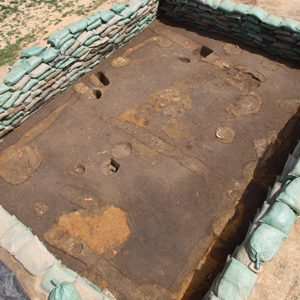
column 145, row 174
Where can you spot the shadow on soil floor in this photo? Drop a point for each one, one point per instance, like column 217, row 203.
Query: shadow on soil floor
column 268, row 167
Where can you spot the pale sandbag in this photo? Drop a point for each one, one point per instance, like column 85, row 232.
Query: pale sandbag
column 15, row 238
column 88, row 291
column 72, row 48
column 40, row 70
column 100, row 29
column 84, row 36
column 22, row 98
column 59, row 82
column 38, row 85
column 35, row 257
column 7, row 221
column 20, row 85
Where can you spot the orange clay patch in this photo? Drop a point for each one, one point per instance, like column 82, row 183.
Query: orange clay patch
column 100, row 232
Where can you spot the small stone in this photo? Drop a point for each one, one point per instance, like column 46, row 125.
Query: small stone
column 79, row 170
column 225, row 134
column 232, row 49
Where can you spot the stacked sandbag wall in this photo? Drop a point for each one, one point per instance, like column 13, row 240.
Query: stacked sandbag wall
column 270, row 227
column 252, row 25
column 42, row 73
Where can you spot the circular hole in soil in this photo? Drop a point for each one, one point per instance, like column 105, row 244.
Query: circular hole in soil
column 109, row 167
column 97, row 93
column 102, row 78
column 77, row 248
column 79, row 170
column 184, row 59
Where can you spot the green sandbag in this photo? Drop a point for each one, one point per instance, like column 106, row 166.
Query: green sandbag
column 65, row 39
column 236, row 282
column 32, row 51
column 59, row 274
column 3, row 88
column 14, row 75
column 93, row 18
column 29, row 85
column 280, row 216
column 64, row 291
column 34, row 62
column 290, row 195
column 107, row 15
column 57, row 36
column 144, row 21
column 49, row 54
column 10, row 102
column 10, row 120
column 227, row 6
column 80, row 51
column 242, row 9
column 65, row 63
column 126, row 13
column 94, row 25
column 251, row 26
column 4, row 97
column 92, row 39
column 259, row 13
column 214, row 4
column 264, row 244
column 290, row 24
column 67, row 45
column 273, row 21
column 296, row 170
column 22, row 63
column 47, row 74
column 78, row 26
column 112, row 40
column 118, row 7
